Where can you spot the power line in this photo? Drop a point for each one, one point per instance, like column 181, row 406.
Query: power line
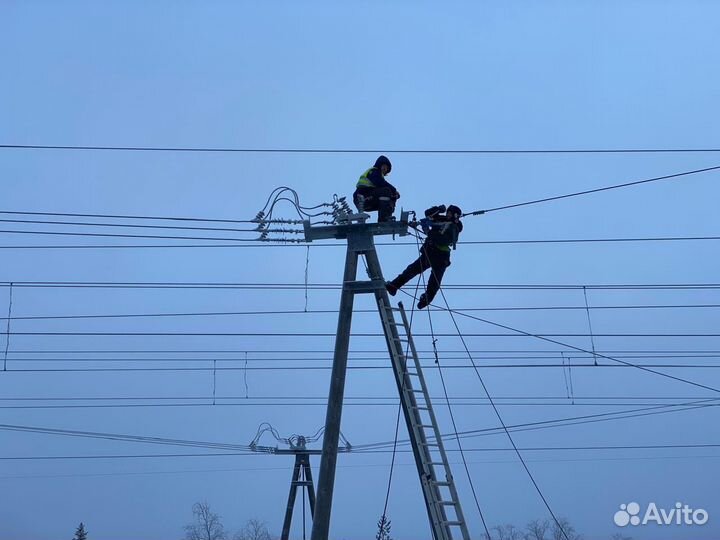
column 596, row 190
column 326, row 351
column 334, row 311
column 502, row 422
column 654, row 410
column 328, row 368
column 370, row 334
column 290, row 150
column 255, row 402
column 256, row 243
column 234, row 454
column 545, row 337
column 336, row 286
column 554, row 460
column 132, row 225
column 121, row 437
column 124, row 216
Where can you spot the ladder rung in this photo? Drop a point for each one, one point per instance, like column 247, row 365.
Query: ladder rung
column 447, row 503
column 420, row 408
column 453, row 523
column 441, row 484
column 429, row 444
column 436, row 463
column 426, row 425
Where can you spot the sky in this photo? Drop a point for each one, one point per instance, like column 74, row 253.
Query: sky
column 407, row 79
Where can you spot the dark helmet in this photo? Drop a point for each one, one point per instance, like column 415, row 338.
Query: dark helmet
column 452, row 209
column 382, row 160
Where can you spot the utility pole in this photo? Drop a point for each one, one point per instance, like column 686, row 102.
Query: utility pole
column 441, row 498
column 302, row 473
column 360, row 239
column 301, row 478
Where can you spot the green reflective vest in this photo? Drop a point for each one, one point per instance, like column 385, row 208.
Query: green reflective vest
column 364, row 181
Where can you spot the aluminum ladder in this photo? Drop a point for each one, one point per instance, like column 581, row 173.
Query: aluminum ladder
column 441, row 498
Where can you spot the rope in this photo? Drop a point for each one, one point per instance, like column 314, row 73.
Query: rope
column 447, row 400
column 596, row 190
column 7, row 328
column 592, row 338
column 383, row 519
column 502, row 422
column 307, row 266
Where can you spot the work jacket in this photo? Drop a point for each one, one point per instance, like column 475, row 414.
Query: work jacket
column 373, row 178
column 442, row 233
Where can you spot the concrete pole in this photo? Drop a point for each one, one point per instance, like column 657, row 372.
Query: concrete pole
column 328, row 462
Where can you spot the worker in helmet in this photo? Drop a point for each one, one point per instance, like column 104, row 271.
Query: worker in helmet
column 442, row 226
column 373, row 192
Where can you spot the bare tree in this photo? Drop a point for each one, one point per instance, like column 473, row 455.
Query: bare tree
column 207, row 525
column 537, row 530
column 254, row 529
column 562, row 530
column 507, row 532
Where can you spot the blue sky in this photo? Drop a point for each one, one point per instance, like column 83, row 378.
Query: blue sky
column 376, row 76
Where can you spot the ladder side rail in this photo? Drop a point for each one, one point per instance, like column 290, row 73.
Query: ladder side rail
column 423, row 457
column 438, row 436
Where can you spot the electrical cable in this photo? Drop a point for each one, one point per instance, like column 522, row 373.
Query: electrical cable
column 444, row 387
column 504, row 426
column 124, row 216
column 397, row 419
column 285, row 242
column 548, row 339
column 290, row 150
column 7, row 327
column 335, row 286
column 357, row 311
column 596, row 190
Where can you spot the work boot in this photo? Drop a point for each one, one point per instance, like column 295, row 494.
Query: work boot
column 360, row 203
column 391, row 289
column 423, row 301
column 385, row 209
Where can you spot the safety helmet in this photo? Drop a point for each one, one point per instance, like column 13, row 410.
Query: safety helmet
column 454, row 210
column 383, row 160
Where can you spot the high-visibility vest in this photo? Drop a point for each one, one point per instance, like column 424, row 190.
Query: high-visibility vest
column 364, row 181
column 443, row 235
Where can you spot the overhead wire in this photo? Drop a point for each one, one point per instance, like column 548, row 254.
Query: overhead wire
column 545, row 337
column 292, row 150
column 445, row 392
column 358, row 311
column 335, row 286
column 504, row 426
column 596, row 190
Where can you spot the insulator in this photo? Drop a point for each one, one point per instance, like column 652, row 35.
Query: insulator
column 258, row 217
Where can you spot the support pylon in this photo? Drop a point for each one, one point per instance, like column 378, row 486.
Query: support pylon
column 430, row 457
column 301, row 478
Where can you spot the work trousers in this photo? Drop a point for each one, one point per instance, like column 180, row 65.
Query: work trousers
column 430, row 257
column 372, row 198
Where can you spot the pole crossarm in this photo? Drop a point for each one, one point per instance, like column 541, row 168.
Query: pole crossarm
column 355, row 225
